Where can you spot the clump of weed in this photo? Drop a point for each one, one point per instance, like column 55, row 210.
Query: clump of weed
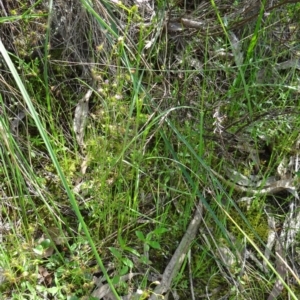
column 256, row 227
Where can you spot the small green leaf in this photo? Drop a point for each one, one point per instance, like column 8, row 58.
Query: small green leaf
column 116, row 253
column 53, row 290
column 160, row 230
column 121, row 241
column 127, row 262
column 115, row 279
column 72, row 298
column 145, row 260
column 133, row 251
column 39, row 250
column 154, row 244
column 124, row 271
column 140, row 235
column 45, row 243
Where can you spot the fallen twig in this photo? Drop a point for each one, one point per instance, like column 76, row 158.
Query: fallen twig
column 179, row 255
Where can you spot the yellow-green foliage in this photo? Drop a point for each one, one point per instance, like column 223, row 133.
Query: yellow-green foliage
column 258, row 225
column 29, row 31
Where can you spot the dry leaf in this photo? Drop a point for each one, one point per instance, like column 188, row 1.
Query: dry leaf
column 44, row 276
column 80, row 117
column 236, row 49
column 103, row 290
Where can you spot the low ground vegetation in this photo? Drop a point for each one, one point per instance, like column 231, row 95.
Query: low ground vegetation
column 149, row 149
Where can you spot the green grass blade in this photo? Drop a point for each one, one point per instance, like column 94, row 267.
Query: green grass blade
column 46, row 140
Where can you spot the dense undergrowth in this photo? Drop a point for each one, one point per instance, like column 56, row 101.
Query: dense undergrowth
column 118, row 118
